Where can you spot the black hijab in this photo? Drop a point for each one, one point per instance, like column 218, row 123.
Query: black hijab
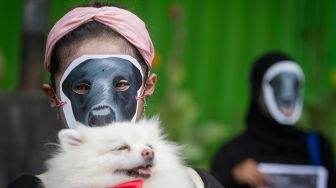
column 260, row 124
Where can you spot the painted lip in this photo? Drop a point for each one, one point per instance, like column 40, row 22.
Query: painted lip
column 101, row 115
column 287, row 111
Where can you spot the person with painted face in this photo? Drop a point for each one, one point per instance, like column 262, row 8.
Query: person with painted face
column 99, row 58
column 100, row 67
column 277, row 84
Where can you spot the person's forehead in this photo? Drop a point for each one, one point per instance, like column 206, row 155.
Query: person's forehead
column 103, row 65
column 285, row 75
column 283, row 67
column 106, row 66
column 97, row 46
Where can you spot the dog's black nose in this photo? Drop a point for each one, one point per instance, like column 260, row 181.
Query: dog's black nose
column 100, row 116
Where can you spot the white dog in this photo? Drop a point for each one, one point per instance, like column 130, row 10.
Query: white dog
column 106, row 156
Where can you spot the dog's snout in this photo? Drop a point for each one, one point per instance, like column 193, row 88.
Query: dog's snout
column 101, row 115
column 147, row 154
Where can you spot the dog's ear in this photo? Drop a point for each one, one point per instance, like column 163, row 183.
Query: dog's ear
column 153, row 126
column 69, row 138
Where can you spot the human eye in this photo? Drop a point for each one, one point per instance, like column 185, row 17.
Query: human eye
column 122, row 85
column 82, row 88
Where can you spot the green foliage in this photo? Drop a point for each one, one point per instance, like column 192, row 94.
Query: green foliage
column 10, row 43
column 320, row 115
column 179, row 115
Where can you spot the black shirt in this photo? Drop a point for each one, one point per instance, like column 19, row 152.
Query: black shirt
column 26, row 181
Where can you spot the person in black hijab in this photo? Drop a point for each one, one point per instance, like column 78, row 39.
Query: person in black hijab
column 271, row 137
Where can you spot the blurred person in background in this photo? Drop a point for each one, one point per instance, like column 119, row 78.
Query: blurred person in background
column 271, row 136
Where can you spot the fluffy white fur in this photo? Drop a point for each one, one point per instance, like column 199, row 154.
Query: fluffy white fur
column 89, row 157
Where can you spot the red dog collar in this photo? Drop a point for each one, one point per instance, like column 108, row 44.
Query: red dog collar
column 130, row 184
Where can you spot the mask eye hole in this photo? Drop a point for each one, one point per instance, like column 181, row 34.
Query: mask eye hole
column 82, row 88
column 122, row 85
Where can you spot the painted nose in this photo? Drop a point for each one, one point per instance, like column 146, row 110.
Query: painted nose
column 101, row 115
column 147, row 154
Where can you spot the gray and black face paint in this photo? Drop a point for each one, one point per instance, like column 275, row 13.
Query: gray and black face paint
column 101, row 89
column 282, row 92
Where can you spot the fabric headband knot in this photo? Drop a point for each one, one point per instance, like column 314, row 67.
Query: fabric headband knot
column 131, row 27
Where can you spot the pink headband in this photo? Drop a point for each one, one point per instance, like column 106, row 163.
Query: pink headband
column 124, row 22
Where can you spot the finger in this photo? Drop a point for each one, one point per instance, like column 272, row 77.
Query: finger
column 259, row 178
column 251, row 180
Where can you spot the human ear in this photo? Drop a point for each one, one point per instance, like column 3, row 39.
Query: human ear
column 51, row 95
column 150, row 84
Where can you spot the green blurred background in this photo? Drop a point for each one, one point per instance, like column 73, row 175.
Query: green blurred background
column 204, row 51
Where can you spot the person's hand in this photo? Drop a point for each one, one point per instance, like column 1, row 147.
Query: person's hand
column 247, row 172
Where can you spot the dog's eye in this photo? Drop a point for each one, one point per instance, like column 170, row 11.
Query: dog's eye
column 150, row 146
column 122, row 85
column 125, row 147
column 82, row 88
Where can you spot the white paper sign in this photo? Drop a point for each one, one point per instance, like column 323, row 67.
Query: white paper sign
column 294, row 176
